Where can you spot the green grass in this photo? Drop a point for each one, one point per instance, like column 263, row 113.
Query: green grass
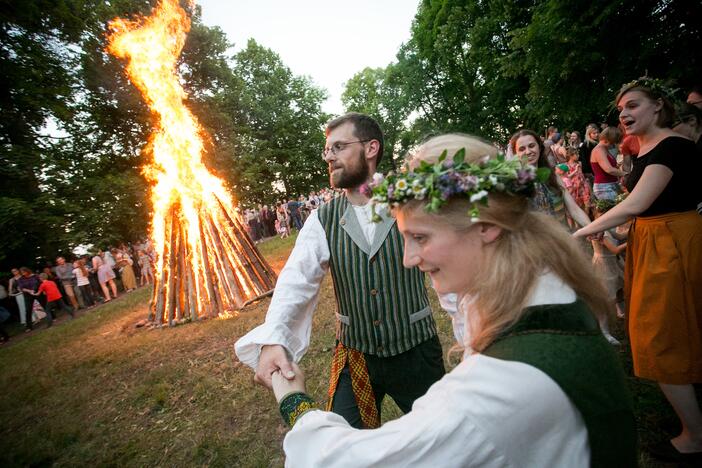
column 97, row 391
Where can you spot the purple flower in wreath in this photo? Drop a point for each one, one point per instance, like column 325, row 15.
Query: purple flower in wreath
column 447, row 184
column 391, row 190
column 468, row 183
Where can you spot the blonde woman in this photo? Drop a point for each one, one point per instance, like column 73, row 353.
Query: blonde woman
column 663, row 273
column 540, row 385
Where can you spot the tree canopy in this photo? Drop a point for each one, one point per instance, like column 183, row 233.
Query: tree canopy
column 490, row 67
column 74, row 130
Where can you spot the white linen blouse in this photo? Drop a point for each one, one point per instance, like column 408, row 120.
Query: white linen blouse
column 486, row 412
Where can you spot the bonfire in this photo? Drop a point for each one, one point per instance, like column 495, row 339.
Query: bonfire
column 206, row 266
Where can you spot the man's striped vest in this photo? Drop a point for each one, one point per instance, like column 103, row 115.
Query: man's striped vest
column 383, row 308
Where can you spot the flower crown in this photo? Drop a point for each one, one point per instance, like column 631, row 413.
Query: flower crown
column 656, row 85
column 447, row 178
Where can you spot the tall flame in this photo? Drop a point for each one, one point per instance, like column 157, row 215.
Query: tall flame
column 206, row 263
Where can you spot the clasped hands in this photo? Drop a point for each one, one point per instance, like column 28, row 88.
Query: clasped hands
column 275, row 371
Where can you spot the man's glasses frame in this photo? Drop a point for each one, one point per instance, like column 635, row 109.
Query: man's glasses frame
column 340, row 146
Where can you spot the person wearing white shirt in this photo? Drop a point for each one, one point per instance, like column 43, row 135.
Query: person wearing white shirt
column 386, row 336
column 540, row 385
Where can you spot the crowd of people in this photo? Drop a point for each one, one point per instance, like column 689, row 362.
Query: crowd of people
column 263, row 222
column 532, row 253
column 74, row 283
column 504, row 241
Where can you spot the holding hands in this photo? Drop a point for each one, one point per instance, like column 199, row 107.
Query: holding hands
column 283, row 386
column 273, row 358
column 276, row 372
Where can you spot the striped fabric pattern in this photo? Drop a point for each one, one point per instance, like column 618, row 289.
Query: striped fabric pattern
column 383, row 307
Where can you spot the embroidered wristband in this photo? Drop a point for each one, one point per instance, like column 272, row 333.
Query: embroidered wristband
column 294, row 405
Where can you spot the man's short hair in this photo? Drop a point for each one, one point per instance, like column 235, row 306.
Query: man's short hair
column 365, row 127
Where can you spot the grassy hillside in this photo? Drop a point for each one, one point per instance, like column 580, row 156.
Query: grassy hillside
column 98, row 391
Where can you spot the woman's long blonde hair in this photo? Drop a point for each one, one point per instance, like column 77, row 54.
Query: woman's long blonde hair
column 530, row 244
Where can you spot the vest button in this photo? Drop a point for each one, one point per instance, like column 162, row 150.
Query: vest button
column 374, row 292
column 342, row 221
column 376, row 322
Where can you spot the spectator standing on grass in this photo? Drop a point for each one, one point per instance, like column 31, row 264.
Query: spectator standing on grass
column 53, row 298
column 64, row 273
column 147, row 275
column 268, row 221
column 83, row 281
column 15, row 291
column 293, row 208
column 124, row 263
column 552, row 137
column 94, row 283
column 283, row 221
column 106, row 276
column 28, row 282
column 592, row 139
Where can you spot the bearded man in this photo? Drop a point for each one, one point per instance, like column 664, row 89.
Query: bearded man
column 386, row 342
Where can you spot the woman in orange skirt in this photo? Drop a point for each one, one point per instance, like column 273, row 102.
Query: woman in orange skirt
column 663, row 276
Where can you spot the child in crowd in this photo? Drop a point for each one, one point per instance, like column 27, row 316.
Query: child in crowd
column 147, row 275
column 53, row 298
column 573, row 178
column 282, row 222
column 607, row 265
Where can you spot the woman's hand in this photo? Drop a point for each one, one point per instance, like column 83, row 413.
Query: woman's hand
column 582, row 232
column 283, row 386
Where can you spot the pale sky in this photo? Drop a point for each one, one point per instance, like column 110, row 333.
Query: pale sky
column 327, row 40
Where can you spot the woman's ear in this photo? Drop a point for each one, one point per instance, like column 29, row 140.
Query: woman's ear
column 489, row 232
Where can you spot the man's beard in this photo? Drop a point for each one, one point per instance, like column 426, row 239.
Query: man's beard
column 351, row 177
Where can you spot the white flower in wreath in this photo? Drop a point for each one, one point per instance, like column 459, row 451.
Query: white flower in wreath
column 478, row 196
column 401, row 184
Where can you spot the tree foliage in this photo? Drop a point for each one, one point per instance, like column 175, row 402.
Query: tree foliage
column 490, row 67
column 74, row 130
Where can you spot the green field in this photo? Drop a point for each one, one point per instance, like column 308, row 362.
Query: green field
column 97, row 391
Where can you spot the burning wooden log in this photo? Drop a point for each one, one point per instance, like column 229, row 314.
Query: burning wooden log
column 207, row 265
column 234, row 273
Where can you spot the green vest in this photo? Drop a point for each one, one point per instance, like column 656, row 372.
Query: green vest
column 383, row 308
column 565, row 342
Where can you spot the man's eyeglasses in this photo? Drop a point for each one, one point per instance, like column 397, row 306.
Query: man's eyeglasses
column 339, row 146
